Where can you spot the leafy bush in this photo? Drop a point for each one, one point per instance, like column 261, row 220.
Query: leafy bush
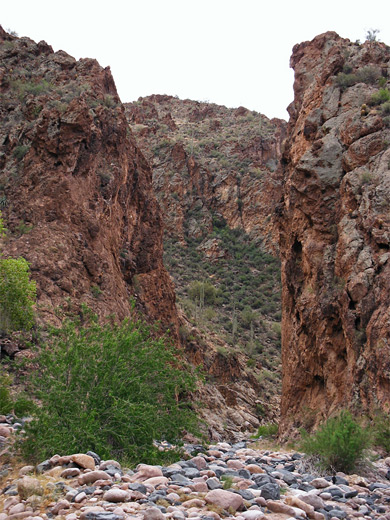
column 380, row 97
column 112, row 389
column 20, row 151
column 381, row 431
column 267, row 430
column 339, row 444
column 20, row 405
column 17, row 292
column 17, row 295
column 367, row 74
column 6, row 403
column 344, row 80
column 247, row 316
column 227, row 481
column 385, row 108
column 203, row 292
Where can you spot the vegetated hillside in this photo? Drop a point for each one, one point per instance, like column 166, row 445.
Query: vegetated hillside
column 211, row 160
column 335, row 231
column 75, row 191
column 211, row 172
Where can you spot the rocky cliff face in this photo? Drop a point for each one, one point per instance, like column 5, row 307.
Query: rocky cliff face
column 211, row 160
column 334, row 223
column 75, row 190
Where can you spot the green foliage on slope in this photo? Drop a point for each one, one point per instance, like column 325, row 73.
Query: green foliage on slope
column 246, row 308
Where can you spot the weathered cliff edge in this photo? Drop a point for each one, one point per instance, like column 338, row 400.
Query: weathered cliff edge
column 334, row 220
column 76, row 191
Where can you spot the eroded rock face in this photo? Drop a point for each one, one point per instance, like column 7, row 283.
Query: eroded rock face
column 208, row 161
column 334, row 223
column 75, row 190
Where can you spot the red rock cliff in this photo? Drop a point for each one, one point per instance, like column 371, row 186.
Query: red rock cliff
column 335, row 231
column 75, row 190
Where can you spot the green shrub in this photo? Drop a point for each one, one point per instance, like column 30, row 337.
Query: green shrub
column 385, row 108
column 380, row 97
column 247, row 317
column 367, row 74
column 267, row 430
column 381, row 431
column 339, row 444
column 20, row 151
column 344, row 80
column 203, row 292
column 6, row 402
column 227, row 481
column 108, row 388
column 17, row 292
column 17, row 295
column 21, row 405
column 109, row 101
column 96, row 291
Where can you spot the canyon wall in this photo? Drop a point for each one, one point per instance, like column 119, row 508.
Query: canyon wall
column 75, row 190
column 334, row 223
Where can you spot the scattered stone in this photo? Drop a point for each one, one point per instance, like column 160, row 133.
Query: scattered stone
column 93, row 476
column 252, row 514
column 80, row 497
column 95, row 457
column 100, row 515
column 5, row 431
column 297, row 502
column 107, row 463
column 199, row 462
column 254, row 468
column 270, row 491
column 224, row 499
column 44, row 466
column 280, row 507
column 192, row 489
column 313, row 500
column 70, row 473
column 26, row 469
column 153, row 513
column 320, row 483
column 84, row 461
column 28, row 486
column 116, row 495
column 214, row 483
column 17, row 508
column 145, row 471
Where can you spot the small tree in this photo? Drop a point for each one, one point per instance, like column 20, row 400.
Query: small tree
column 17, row 295
column 108, row 388
column 17, row 292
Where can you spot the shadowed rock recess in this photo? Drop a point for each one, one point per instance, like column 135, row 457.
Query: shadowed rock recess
column 335, row 230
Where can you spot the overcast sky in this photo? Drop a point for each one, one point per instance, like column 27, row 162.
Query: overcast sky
column 230, row 52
